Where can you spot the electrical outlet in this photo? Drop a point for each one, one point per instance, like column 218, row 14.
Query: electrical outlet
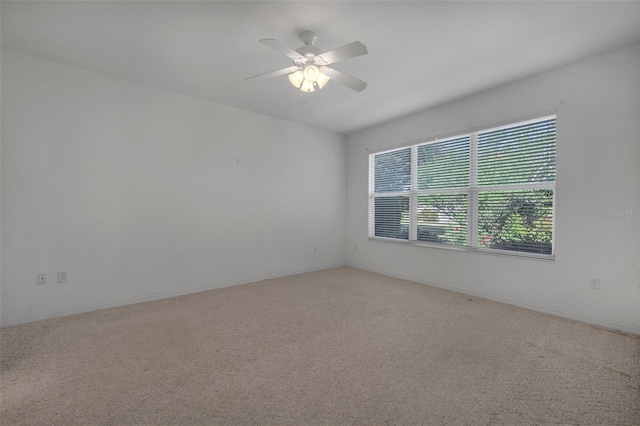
column 355, row 247
column 62, row 277
column 42, row 279
column 315, row 249
column 594, row 283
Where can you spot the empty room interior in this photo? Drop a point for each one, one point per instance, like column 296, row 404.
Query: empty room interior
column 314, row 212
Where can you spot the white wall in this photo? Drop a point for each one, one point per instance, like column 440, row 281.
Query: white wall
column 638, row 175
column 598, row 153
column 137, row 192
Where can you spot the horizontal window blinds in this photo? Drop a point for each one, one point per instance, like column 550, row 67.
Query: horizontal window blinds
column 392, row 217
column 442, row 218
column 519, row 154
column 520, row 220
column 444, row 164
column 393, row 171
column 489, row 190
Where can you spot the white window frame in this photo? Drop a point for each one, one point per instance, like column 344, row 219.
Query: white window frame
column 472, row 196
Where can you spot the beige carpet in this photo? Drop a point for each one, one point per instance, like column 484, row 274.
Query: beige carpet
column 340, row 346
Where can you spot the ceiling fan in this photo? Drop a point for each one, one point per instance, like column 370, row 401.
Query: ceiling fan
column 310, row 69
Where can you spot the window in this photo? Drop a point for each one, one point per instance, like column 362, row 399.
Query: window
column 490, row 190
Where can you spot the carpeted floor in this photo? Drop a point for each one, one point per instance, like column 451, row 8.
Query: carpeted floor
column 340, row 346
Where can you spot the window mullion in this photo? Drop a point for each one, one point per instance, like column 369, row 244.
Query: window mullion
column 371, row 196
column 553, row 223
column 518, row 186
column 472, row 209
column 413, row 198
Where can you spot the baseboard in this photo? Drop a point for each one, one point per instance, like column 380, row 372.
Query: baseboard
column 593, row 321
column 156, row 296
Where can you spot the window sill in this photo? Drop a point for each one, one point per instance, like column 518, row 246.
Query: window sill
column 491, row 252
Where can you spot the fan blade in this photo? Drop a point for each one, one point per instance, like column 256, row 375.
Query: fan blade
column 346, row 79
column 275, row 44
column 271, row 74
column 347, row 51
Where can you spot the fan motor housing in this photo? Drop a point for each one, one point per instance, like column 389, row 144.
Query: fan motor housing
column 308, row 37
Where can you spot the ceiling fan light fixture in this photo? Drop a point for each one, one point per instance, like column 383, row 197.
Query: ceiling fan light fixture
column 308, row 79
column 311, row 73
column 296, row 78
column 307, row 86
column 323, row 79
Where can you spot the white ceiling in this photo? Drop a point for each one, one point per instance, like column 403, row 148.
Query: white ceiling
column 420, row 53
